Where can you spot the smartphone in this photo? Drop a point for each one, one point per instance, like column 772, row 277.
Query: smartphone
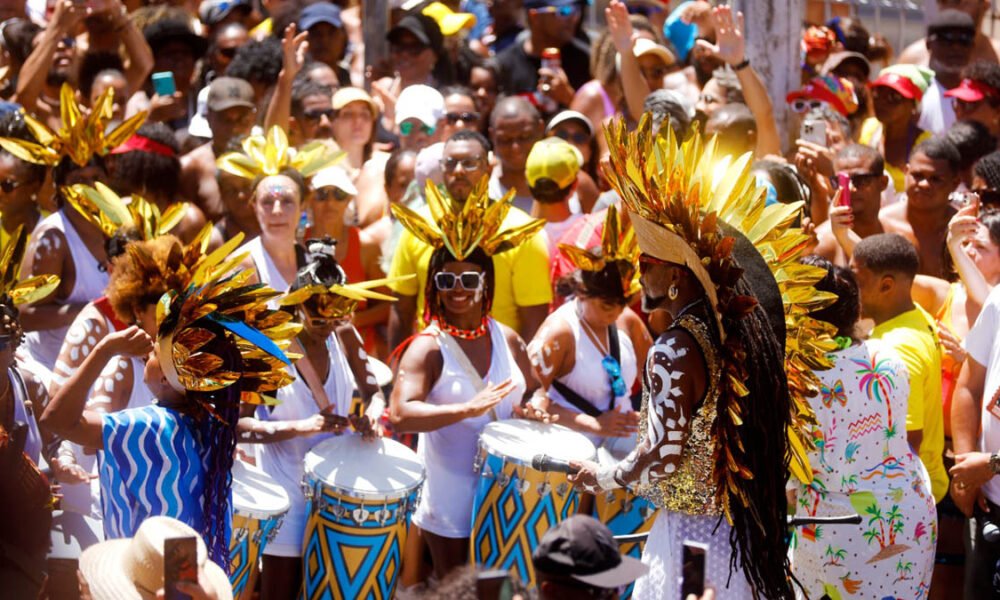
column 180, row 563
column 813, row 131
column 63, row 580
column 693, row 569
column 494, row 585
column 844, row 183
column 163, row 83
column 960, row 199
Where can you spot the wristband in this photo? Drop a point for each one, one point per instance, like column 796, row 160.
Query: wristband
column 741, row 65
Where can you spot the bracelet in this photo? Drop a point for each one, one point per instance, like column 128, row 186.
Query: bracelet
column 741, row 65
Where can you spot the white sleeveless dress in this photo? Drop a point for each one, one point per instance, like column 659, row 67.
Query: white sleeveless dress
column 588, row 378
column 44, row 345
column 267, row 271
column 448, row 453
column 283, row 461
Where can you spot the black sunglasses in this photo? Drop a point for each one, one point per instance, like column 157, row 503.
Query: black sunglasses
column 325, row 193
column 579, row 137
column 467, row 117
column 958, row 38
column 858, row 180
column 316, row 115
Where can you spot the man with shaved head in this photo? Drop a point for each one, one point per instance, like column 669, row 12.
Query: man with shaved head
column 515, row 126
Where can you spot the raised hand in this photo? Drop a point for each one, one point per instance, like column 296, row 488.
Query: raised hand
column 619, row 26
column 133, row 341
column 294, row 48
column 965, row 224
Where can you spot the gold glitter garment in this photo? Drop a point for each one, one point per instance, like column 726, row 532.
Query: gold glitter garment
column 692, row 487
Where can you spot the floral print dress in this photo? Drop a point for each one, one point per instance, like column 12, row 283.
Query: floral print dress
column 863, row 464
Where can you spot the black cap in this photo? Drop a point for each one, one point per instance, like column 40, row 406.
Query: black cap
column 164, row 31
column 423, row 28
column 584, row 549
column 951, row 19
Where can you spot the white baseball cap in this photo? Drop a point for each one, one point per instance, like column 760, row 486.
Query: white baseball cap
column 334, row 177
column 421, row 102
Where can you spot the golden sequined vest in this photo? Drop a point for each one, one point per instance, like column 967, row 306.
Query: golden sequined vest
column 691, row 488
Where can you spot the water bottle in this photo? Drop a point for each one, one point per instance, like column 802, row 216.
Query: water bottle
column 551, row 59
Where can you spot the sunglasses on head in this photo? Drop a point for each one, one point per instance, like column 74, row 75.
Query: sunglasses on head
column 9, row 185
column 802, row 105
column 470, row 281
column 579, row 137
column 325, row 193
column 407, row 128
column 466, row 117
column 561, row 11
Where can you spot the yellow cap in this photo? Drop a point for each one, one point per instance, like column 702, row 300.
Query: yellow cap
column 448, row 20
column 553, row 158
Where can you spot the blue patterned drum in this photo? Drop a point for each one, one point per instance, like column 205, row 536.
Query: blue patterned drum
column 515, row 505
column 361, row 494
column 259, row 503
column 622, row 511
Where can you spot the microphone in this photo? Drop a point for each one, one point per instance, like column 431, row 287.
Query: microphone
column 545, row 463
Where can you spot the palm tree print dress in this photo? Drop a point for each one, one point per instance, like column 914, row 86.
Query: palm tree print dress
column 863, row 464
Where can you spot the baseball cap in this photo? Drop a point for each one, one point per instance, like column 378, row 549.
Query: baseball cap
column 347, row 95
column 421, row 102
column 583, row 548
column 951, row 19
column 643, row 46
column 839, row 58
column 321, row 12
column 910, row 81
column 423, row 28
column 555, row 159
column 230, row 92
column 334, row 177
column 570, row 115
column 449, row 21
column 835, row 91
column 213, row 11
column 971, row 90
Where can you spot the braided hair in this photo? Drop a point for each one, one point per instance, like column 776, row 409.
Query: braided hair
column 442, row 256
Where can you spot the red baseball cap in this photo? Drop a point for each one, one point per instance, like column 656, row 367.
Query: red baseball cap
column 971, row 90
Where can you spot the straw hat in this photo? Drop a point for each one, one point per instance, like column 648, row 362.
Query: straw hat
column 132, row 568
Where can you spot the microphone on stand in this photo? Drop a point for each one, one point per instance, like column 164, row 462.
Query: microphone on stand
column 547, row 464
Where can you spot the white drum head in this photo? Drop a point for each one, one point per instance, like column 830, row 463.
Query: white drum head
column 519, row 440
column 377, row 469
column 72, row 533
column 614, row 449
column 255, row 493
column 382, row 372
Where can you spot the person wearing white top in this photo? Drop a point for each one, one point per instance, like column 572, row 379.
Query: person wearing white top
column 316, row 405
column 975, row 428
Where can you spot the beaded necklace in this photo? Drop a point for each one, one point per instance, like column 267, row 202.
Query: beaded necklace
column 463, row 334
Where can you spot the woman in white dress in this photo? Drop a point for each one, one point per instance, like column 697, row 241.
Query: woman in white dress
column 584, row 360
column 316, row 405
column 862, row 465
column 463, row 371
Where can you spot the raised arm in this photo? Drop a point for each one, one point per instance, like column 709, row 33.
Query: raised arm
column 48, row 254
column 65, row 17
column 676, row 375
column 88, row 327
column 67, row 415
column 140, row 55
column 294, row 47
column 962, row 229
column 633, row 83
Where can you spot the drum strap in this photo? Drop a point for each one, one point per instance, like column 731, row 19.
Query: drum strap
column 463, row 361
column 579, row 401
column 305, row 368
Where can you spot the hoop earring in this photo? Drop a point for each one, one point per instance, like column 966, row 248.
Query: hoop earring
column 673, row 292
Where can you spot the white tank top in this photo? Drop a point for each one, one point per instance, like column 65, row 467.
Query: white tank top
column 90, row 282
column 267, row 271
column 448, row 453
column 588, row 378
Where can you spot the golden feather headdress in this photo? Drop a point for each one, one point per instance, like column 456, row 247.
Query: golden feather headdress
column 216, row 290
column 338, row 300
column 462, row 229
column 79, row 137
column 678, row 195
column 107, row 211
column 618, row 248
column 21, row 291
column 268, row 155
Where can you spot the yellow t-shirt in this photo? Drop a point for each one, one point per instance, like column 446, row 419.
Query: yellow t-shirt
column 914, row 337
column 521, row 274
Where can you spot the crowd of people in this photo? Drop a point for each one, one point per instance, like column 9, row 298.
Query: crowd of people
column 227, row 241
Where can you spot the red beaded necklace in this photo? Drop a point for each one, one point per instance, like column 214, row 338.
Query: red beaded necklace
column 464, row 334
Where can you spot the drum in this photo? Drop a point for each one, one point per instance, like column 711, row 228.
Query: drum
column 622, row 511
column 259, row 504
column 360, row 497
column 514, row 504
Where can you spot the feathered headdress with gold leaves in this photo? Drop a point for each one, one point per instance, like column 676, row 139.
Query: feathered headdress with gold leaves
column 678, row 195
column 15, row 291
column 79, row 137
column 217, row 291
column 462, row 229
column 107, row 211
column 338, row 300
column 619, row 249
column 268, row 155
